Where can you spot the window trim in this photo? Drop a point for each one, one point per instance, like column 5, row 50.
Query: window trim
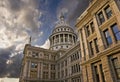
column 114, row 33
column 108, row 37
column 107, row 13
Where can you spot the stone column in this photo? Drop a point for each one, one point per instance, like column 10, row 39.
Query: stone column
column 41, row 70
column 25, row 70
column 29, row 67
column 86, row 44
column 59, row 38
column 106, row 69
column 63, row 38
column 52, row 41
column 49, row 71
column 55, row 39
column 84, row 74
column 105, row 17
column 99, row 35
column 38, row 70
column 72, row 39
column 81, row 43
column 68, row 38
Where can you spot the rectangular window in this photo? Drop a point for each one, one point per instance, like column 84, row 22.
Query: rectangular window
column 108, row 11
column 108, row 37
column 96, row 45
column 116, row 66
column 91, row 49
column 101, row 18
column 52, row 57
column 34, row 65
column 77, row 55
column 52, row 75
column 66, row 38
column 62, row 73
column 62, row 64
column 34, row 54
column 45, row 66
column 65, row 62
column 84, row 51
column 92, row 27
column 61, row 38
column 52, row 67
column 45, row 75
column 102, row 74
column 87, row 30
column 58, row 66
column 116, row 31
column 46, row 56
column 33, row 73
column 86, row 74
column 72, row 69
column 66, row 72
column 97, row 79
column 58, row 74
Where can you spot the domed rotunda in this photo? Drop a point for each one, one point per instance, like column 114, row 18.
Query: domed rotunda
column 63, row 36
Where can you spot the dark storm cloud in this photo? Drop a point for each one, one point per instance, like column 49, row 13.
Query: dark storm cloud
column 13, row 69
column 10, row 66
column 4, row 56
column 80, row 7
column 72, row 9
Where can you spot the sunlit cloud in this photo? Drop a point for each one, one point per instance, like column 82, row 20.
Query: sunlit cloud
column 46, row 45
column 9, row 79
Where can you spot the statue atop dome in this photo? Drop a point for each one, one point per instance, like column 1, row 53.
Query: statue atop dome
column 62, row 17
column 61, row 21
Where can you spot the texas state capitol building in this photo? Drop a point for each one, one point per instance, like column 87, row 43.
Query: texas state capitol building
column 59, row 63
column 95, row 58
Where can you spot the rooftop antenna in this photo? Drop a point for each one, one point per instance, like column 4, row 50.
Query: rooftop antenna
column 62, row 16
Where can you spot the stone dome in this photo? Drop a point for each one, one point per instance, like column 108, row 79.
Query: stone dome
column 63, row 36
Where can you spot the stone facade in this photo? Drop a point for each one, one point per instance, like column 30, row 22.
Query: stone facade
column 60, row 63
column 99, row 32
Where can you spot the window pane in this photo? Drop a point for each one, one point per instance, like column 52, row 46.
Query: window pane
column 115, row 28
column 108, row 37
column 109, row 40
column 87, row 30
column 96, row 45
column 108, row 11
column 107, row 33
column 92, row 27
column 34, row 65
column 101, row 18
column 91, row 48
column 118, row 36
column 116, row 67
column 116, row 31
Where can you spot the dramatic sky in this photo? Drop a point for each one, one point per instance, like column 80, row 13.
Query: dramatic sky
column 20, row 19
